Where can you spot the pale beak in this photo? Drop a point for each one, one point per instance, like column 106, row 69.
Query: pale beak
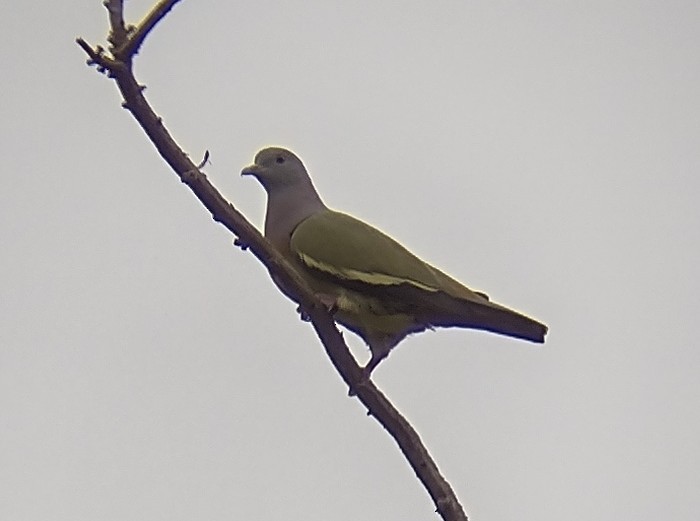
column 251, row 170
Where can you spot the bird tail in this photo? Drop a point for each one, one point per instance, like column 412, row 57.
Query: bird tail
column 487, row 316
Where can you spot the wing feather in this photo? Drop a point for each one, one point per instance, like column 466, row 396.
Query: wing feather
column 348, row 248
column 344, row 247
column 353, row 254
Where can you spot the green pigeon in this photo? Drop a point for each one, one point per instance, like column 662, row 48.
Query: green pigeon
column 373, row 285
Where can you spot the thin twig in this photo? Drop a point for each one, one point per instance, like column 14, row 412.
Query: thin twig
column 119, row 67
column 139, row 33
column 117, row 34
column 97, row 57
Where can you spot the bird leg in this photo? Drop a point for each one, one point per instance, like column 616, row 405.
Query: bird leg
column 328, row 301
column 373, row 363
column 367, row 371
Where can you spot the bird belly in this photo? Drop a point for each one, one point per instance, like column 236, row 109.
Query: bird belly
column 372, row 320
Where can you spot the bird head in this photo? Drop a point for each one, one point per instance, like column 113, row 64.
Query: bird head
column 276, row 168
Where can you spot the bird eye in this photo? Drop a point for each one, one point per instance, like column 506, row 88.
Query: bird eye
column 279, row 160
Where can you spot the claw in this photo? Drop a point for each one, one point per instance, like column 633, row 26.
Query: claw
column 372, row 364
column 329, row 301
column 303, row 315
column 364, row 380
column 243, row 246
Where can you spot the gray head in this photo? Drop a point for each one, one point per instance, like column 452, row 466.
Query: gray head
column 291, row 196
column 277, row 168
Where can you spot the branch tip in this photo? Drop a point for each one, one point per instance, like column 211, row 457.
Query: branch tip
column 117, row 35
column 134, row 35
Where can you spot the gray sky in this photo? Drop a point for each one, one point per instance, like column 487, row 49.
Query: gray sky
column 544, row 152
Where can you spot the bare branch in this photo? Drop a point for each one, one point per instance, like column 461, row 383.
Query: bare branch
column 97, row 57
column 123, row 45
column 136, row 38
column 117, row 34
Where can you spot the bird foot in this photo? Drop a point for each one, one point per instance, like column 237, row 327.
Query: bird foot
column 242, row 245
column 303, row 315
column 328, row 301
column 366, row 372
column 364, row 380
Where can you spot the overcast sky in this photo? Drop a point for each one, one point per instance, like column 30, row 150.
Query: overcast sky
column 546, row 153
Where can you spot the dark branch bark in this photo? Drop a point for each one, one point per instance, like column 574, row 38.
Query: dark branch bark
column 133, row 42
column 123, row 45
